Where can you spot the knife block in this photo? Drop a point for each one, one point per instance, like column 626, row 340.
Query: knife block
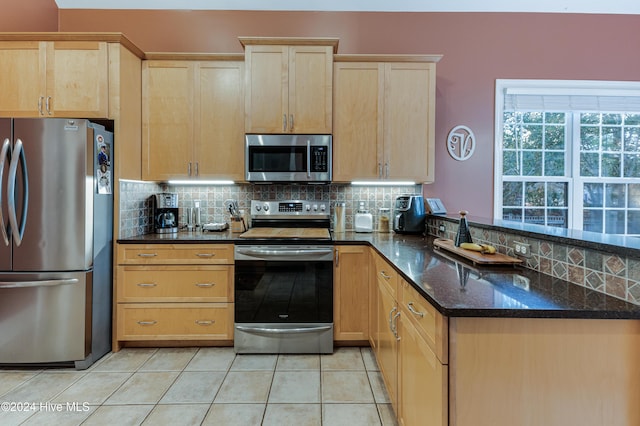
column 237, row 225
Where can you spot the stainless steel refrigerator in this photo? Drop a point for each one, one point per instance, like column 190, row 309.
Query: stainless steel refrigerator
column 56, row 212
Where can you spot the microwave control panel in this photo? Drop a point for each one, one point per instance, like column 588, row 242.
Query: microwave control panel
column 319, row 158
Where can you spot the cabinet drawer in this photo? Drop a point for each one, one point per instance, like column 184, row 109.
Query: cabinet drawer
column 175, row 283
column 386, row 274
column 183, row 254
column 179, row 321
column 431, row 325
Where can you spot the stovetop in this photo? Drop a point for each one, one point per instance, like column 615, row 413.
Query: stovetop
column 288, row 222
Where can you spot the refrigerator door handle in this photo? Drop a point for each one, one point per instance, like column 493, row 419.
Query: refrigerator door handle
column 4, row 154
column 40, row 283
column 19, row 156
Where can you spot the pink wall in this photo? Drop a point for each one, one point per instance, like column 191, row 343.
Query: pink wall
column 28, row 15
column 477, row 47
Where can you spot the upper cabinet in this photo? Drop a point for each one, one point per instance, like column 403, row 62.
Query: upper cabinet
column 383, row 122
column 288, row 85
column 54, row 79
column 193, row 117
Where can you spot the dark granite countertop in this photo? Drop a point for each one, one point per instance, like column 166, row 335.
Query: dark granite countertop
column 454, row 286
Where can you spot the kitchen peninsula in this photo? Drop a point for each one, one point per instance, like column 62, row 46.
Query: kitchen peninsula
column 494, row 346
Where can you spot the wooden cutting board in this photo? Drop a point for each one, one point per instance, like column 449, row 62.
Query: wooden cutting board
column 475, row 256
column 300, row 233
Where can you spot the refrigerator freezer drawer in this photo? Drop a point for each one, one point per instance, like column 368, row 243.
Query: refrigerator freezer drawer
column 45, row 318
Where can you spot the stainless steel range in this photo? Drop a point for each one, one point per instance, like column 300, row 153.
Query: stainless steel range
column 284, row 279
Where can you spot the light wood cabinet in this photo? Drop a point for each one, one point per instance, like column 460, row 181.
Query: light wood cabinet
column 174, row 292
column 193, row 118
column 54, row 79
column 384, row 126
column 544, row 371
column 288, row 85
column 387, row 341
column 385, row 347
column 351, row 293
column 422, row 374
column 410, row 344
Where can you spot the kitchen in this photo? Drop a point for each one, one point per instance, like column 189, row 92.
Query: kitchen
column 465, row 89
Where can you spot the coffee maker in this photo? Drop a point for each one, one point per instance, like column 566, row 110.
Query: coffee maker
column 165, row 212
column 409, row 214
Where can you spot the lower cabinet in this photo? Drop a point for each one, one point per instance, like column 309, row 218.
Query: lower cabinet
column 409, row 343
column 174, row 292
column 422, row 376
column 351, row 294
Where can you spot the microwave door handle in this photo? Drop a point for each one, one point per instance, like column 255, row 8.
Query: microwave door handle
column 4, row 154
column 19, row 156
column 308, row 159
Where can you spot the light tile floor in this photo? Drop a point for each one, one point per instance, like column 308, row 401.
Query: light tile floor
column 201, row 386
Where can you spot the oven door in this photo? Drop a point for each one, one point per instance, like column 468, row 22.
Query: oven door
column 283, row 299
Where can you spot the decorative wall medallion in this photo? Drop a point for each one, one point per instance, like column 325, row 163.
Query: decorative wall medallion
column 461, row 142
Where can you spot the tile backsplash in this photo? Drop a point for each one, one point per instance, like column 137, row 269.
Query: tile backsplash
column 609, row 273
column 135, row 208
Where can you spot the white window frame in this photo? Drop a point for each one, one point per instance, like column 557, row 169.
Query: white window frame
column 588, row 89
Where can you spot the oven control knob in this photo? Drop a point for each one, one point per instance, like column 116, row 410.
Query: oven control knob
column 266, row 207
column 258, row 208
column 315, row 207
column 323, row 207
column 308, row 207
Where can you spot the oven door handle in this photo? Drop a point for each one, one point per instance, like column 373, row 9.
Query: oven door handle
column 269, row 330
column 277, row 254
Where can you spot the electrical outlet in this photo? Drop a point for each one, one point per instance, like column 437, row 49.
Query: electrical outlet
column 522, row 249
column 442, row 228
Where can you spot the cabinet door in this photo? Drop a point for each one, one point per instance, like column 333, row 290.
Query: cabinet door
column 219, row 120
column 22, row 78
column 351, row 298
column 357, row 120
column 266, row 89
column 409, row 121
column 77, row 79
column 167, row 119
column 310, row 89
column 387, row 348
column 422, row 389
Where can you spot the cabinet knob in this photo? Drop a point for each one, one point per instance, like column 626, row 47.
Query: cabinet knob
column 147, row 284
column 147, row 254
column 205, row 285
column 152, row 322
column 205, row 322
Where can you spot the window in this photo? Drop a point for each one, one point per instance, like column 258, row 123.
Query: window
column 568, row 154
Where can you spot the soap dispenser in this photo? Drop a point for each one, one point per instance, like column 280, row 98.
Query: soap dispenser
column 363, row 219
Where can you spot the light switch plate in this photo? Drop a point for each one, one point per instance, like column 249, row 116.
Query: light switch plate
column 435, row 206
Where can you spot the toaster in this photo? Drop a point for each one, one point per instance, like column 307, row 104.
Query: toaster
column 409, row 214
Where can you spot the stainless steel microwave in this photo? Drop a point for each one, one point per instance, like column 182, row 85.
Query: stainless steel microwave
column 288, row 158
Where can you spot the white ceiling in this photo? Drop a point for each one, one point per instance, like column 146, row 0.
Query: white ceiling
column 553, row 6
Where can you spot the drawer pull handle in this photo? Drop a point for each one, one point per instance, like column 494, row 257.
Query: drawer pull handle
column 413, row 311
column 152, row 322
column 205, row 254
column 205, row 285
column 147, row 254
column 147, row 284
column 384, row 275
column 205, row 322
